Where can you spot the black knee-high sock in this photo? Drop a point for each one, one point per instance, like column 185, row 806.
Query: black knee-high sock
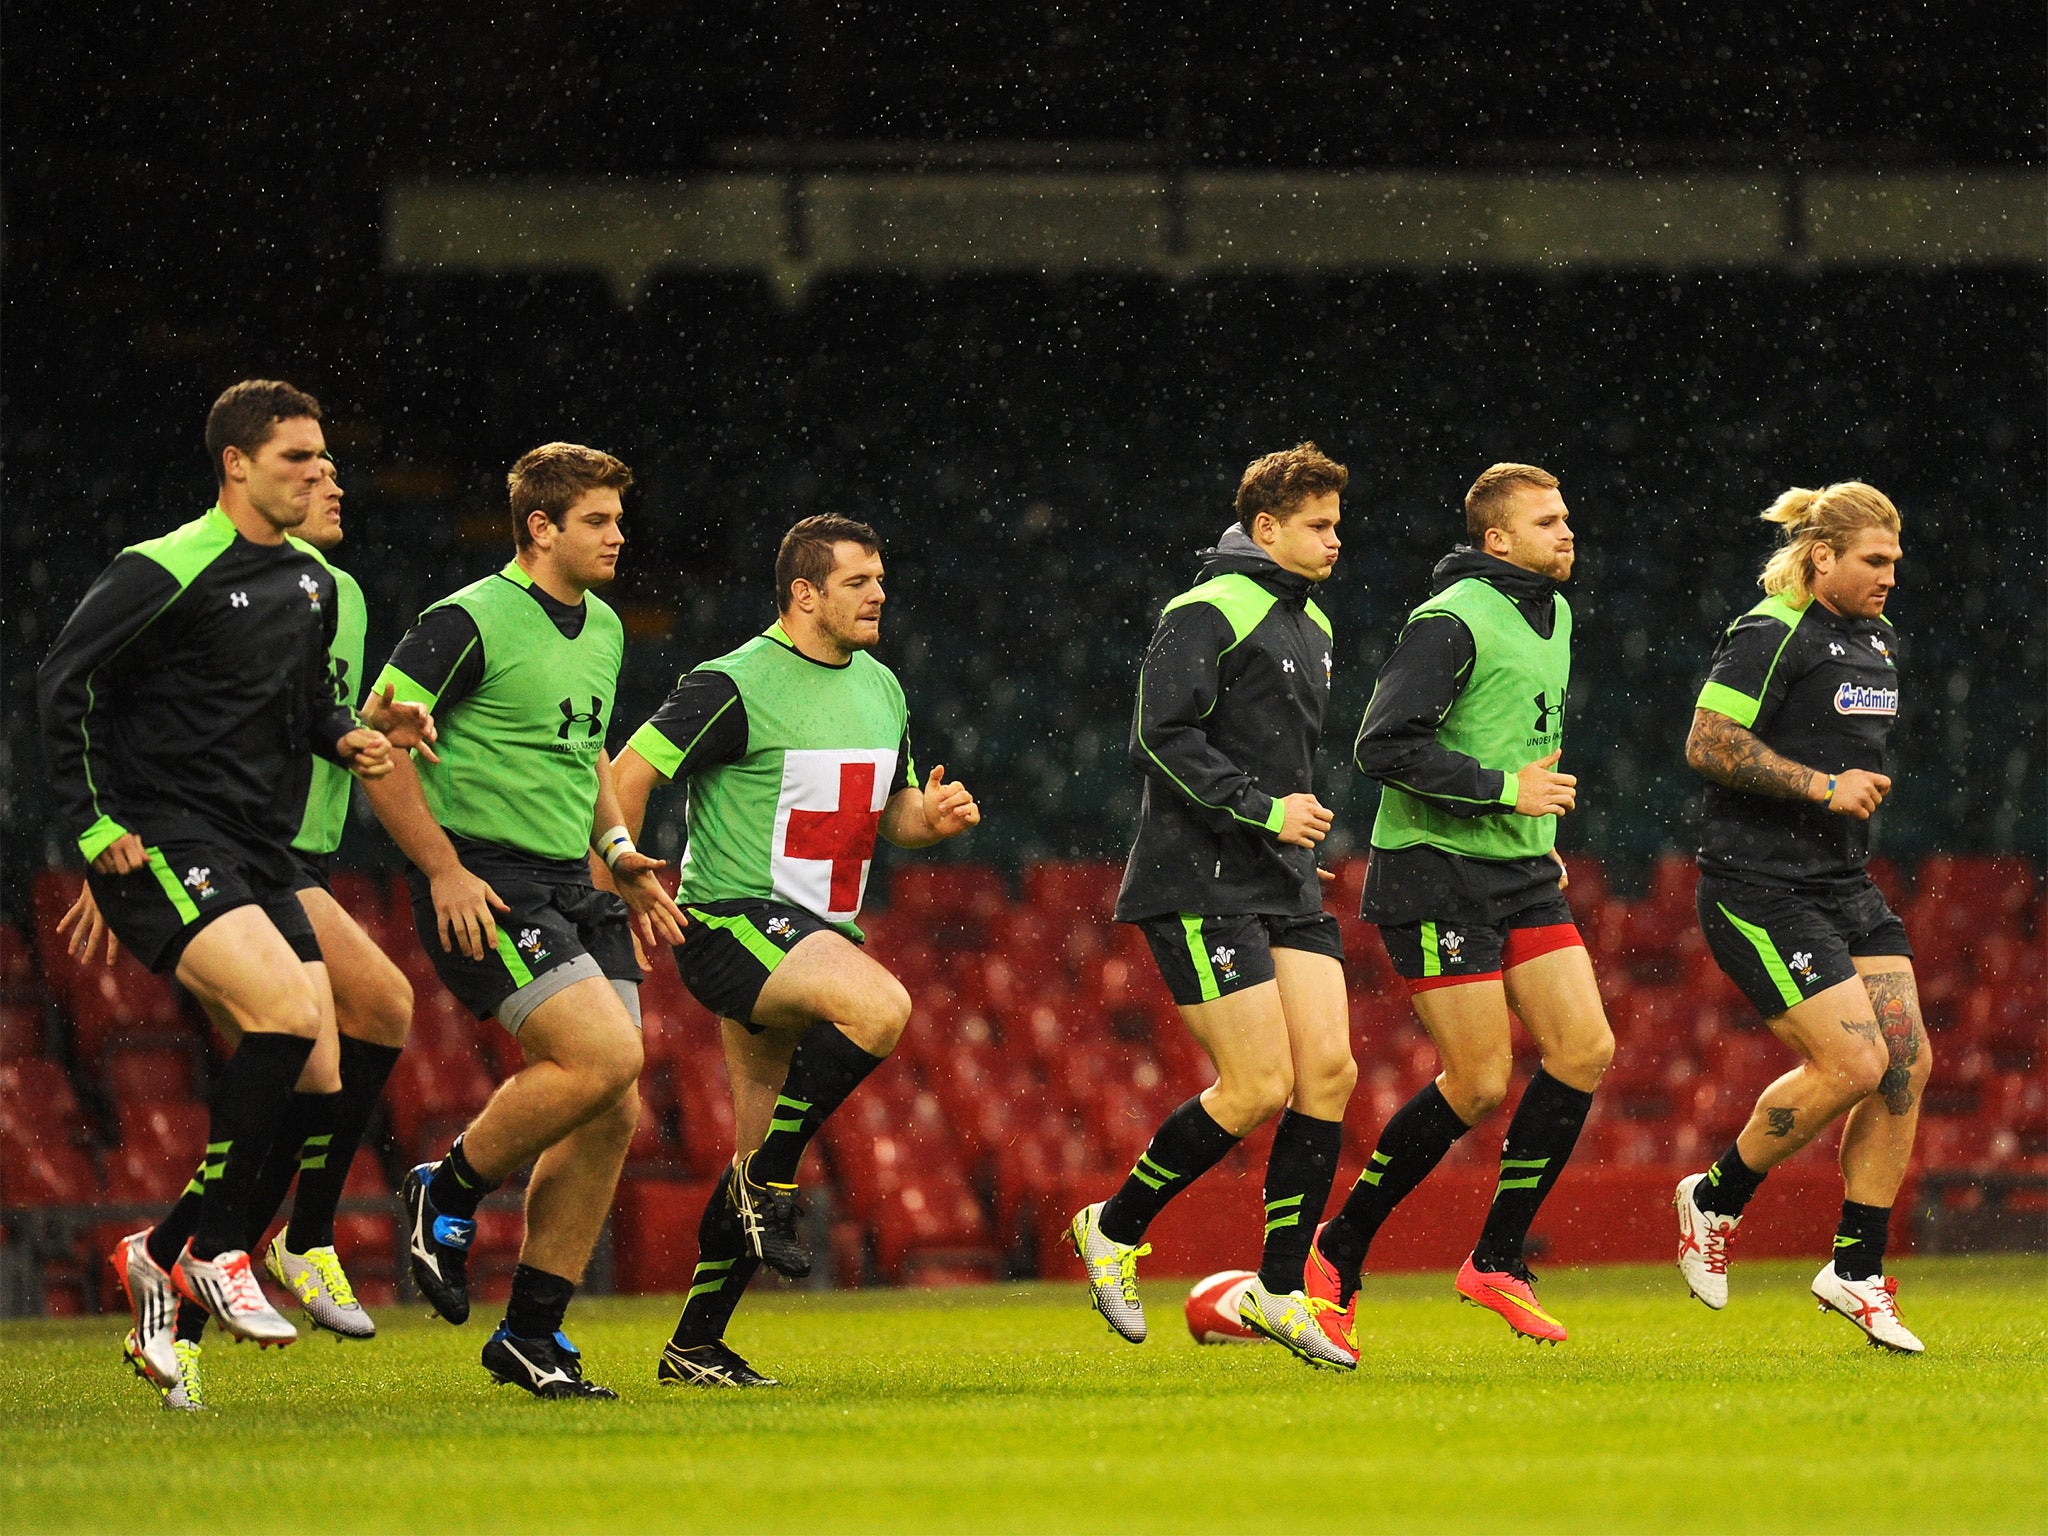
column 1728, row 1185
column 538, row 1304
column 191, row 1326
column 1539, row 1142
column 308, row 1121
column 1298, row 1177
column 823, row 1070
column 456, row 1188
column 249, row 1107
column 1413, row 1141
column 323, row 1166
column 169, row 1236
column 1860, row 1240
column 1187, row 1145
column 723, row 1269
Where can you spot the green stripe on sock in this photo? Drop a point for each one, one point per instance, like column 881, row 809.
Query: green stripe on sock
column 1529, row 1183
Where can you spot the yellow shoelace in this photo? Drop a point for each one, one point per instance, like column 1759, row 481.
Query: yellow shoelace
column 327, row 1264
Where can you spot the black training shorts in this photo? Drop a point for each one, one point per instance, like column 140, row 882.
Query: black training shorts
column 1782, row 947
column 312, row 871
column 1445, row 952
column 158, row 910
column 731, row 948
column 561, row 930
column 1206, row 956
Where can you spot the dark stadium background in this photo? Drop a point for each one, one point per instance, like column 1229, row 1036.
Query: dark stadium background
column 198, row 193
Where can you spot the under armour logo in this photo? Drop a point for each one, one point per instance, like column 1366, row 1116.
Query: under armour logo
column 592, row 720
column 1287, row 666
column 1545, row 709
column 1836, row 648
column 238, row 599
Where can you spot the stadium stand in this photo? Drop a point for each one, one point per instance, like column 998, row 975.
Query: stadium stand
column 1039, row 1054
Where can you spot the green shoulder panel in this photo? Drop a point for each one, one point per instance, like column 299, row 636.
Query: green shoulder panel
column 1243, row 603
column 1322, row 619
column 187, row 551
column 1786, row 613
column 307, row 549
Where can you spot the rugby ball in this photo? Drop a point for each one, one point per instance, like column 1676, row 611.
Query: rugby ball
column 1212, row 1308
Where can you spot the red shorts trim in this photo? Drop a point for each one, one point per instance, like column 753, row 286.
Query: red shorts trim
column 1525, row 944
column 1417, row 984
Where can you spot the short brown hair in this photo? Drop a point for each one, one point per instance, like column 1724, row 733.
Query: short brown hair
column 1280, row 482
column 808, row 552
column 1487, row 503
column 247, row 413
column 552, row 477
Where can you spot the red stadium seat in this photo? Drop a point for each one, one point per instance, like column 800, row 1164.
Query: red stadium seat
column 34, row 1092
column 21, row 1030
column 45, row 1172
column 21, row 974
column 1073, row 891
column 147, row 1074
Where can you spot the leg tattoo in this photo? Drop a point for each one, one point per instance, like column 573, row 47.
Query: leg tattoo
column 1863, row 1029
column 1781, row 1122
column 1895, row 1000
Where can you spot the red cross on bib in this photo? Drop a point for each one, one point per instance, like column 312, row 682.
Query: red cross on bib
column 845, row 837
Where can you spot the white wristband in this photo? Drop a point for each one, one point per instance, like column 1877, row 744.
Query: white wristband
column 615, row 841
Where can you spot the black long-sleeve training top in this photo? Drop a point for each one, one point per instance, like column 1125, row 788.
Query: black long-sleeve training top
column 1229, row 714
column 187, row 688
column 1397, row 742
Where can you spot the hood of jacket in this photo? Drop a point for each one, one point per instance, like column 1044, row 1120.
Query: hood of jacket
column 1236, row 554
column 1530, row 592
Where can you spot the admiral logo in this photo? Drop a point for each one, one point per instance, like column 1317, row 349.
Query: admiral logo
column 1860, row 699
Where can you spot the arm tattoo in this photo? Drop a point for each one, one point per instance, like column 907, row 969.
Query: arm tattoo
column 1781, row 1122
column 1896, row 1000
column 1724, row 752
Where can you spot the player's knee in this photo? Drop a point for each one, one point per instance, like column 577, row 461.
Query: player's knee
column 1476, row 1092
column 1862, row 1069
column 613, row 1064
column 1923, row 1066
column 1257, row 1096
column 882, row 1020
column 294, row 1009
column 1327, row 1081
column 1587, row 1060
column 388, row 1018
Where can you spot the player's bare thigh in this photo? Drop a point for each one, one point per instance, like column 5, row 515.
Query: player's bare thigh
column 1837, row 1032
column 1245, row 1036
column 248, row 978
column 1557, row 998
column 1895, row 1004
column 1468, row 1023
column 826, row 976
column 1318, row 1020
column 372, row 998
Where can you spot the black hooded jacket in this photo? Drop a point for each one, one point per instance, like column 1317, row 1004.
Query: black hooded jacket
column 1397, row 740
column 1229, row 714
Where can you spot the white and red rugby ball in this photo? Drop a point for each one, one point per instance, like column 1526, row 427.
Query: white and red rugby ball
column 1212, row 1308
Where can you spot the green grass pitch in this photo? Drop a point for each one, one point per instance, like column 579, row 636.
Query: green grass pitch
column 1012, row 1409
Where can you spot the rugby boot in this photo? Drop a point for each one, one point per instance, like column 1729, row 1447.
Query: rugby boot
column 316, row 1278
column 1702, row 1244
column 226, row 1285
column 1112, row 1273
column 437, row 1248
column 1295, row 1323
column 1872, row 1305
column 186, row 1394
column 551, row 1367
column 767, row 1215
column 707, row 1365
column 1335, row 1313
column 153, row 1298
column 1512, row 1294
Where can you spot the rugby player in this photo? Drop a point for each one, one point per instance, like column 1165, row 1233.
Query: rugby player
column 796, row 751
column 1222, row 882
column 178, row 706
column 1467, row 888
column 1790, row 733
column 521, row 667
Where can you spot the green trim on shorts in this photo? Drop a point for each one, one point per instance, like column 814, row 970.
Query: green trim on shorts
column 1205, row 973
column 1774, row 963
column 741, row 927
column 187, row 909
column 509, row 953
column 1432, row 964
